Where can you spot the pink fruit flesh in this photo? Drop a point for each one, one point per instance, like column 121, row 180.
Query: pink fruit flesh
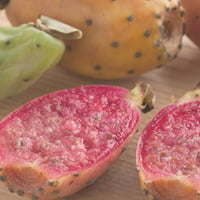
column 170, row 143
column 68, row 130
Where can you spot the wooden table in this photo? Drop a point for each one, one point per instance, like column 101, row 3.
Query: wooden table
column 120, row 182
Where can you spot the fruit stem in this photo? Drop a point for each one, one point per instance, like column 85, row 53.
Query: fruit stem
column 57, row 28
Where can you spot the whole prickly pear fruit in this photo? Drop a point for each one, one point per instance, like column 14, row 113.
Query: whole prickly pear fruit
column 61, row 142
column 121, row 39
column 26, row 52
column 168, row 155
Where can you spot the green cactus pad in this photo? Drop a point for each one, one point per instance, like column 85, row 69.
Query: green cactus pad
column 25, row 54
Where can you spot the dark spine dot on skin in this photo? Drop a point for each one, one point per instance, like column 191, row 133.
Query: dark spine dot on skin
column 159, row 58
column 40, row 190
column 174, row 8
column 138, row 54
column 158, row 15
column 197, row 17
column 146, row 192
column 34, row 197
column 182, row 13
column 26, row 79
column 56, row 192
column 131, row 71
column 180, row 46
column 97, row 67
column 115, row 44
column 7, row 42
column 68, row 48
column 168, row 9
column 2, row 178
column 158, row 43
column 76, row 175
column 38, row 45
column 20, row 192
column 10, row 189
column 184, row 28
column 147, row 33
column 130, row 18
column 88, row 22
column 71, row 182
column 52, row 184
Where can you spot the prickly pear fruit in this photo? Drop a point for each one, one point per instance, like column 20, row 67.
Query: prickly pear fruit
column 26, row 52
column 168, row 155
column 192, row 20
column 59, row 143
column 122, row 39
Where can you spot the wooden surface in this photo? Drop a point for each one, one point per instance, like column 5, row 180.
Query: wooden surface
column 120, row 182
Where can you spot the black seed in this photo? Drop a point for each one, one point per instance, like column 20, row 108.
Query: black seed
column 76, row 175
column 1, row 168
column 53, row 184
column 198, row 193
column 115, row 44
column 130, row 18
column 88, row 22
column 56, row 192
column 147, row 33
column 34, row 197
column 40, row 190
column 131, row 71
column 146, row 192
column 7, row 42
column 159, row 58
column 158, row 15
column 10, row 189
column 71, row 182
column 3, row 178
column 20, row 192
column 138, row 54
column 38, row 45
column 90, row 182
column 97, row 67
column 68, row 48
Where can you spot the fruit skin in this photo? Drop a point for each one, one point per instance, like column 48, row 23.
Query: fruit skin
column 163, row 185
column 30, row 179
column 25, row 54
column 118, row 41
column 192, row 20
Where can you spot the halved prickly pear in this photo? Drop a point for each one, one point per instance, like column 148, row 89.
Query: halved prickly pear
column 59, row 143
column 168, row 155
column 26, row 53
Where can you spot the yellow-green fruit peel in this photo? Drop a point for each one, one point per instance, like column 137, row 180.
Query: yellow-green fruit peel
column 25, row 54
